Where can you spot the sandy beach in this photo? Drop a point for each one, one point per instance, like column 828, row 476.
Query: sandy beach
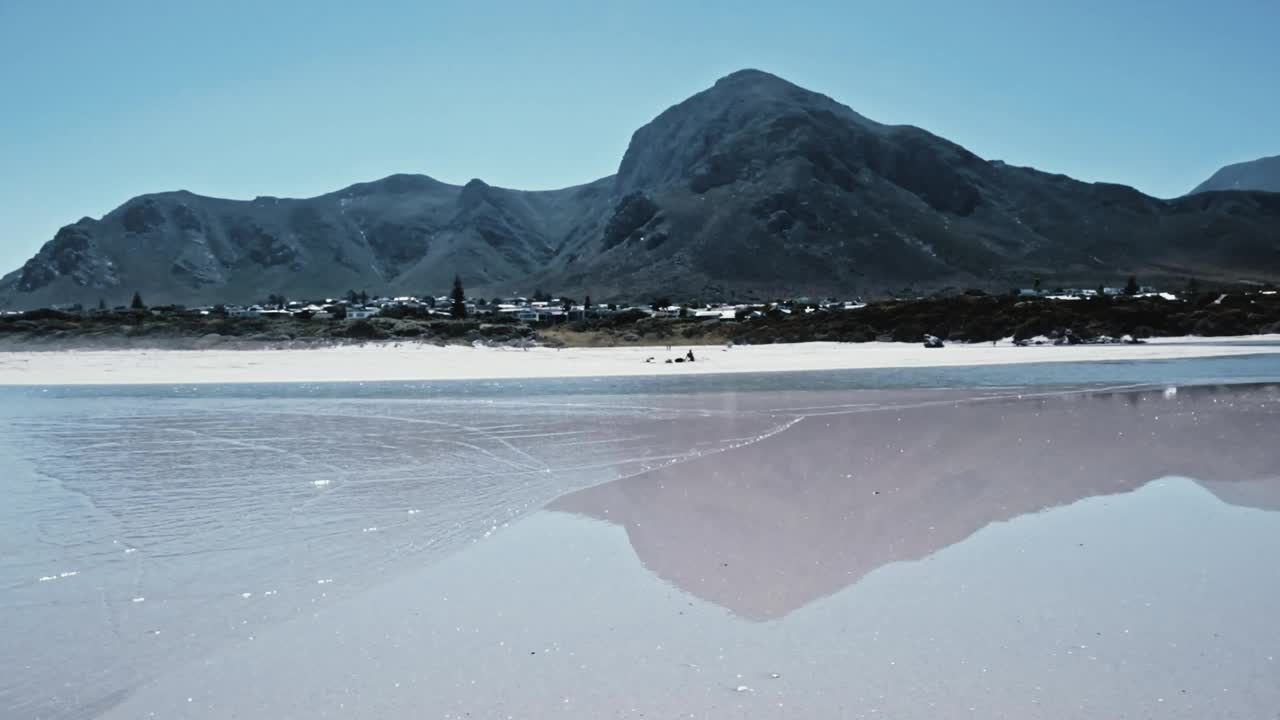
column 584, row 550
column 790, row 572
column 406, row 362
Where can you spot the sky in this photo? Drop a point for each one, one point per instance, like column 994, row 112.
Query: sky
column 100, row 101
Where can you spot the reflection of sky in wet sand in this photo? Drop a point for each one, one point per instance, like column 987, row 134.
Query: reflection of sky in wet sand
column 1050, row 578
column 137, row 533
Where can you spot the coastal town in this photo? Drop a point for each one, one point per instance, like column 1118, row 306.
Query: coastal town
column 542, row 309
column 1130, row 313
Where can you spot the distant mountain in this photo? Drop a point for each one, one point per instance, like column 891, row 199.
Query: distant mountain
column 1261, row 174
column 405, row 232
column 753, row 187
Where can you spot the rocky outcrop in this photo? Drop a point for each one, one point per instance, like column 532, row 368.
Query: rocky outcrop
column 73, row 255
column 633, row 212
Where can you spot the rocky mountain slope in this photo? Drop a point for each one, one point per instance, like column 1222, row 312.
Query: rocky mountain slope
column 752, row 187
column 404, row 233
column 1261, row 174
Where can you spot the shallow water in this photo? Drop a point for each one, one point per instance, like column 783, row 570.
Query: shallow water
column 158, row 542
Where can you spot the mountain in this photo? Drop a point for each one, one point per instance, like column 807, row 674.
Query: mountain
column 404, row 232
column 754, row 186
column 758, row 184
column 1261, row 174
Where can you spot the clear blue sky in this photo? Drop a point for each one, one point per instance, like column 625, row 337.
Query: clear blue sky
column 101, row 101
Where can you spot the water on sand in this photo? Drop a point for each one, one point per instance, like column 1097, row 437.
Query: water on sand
column 177, row 551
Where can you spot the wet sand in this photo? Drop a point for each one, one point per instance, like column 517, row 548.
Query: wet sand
column 894, row 554
column 411, row 362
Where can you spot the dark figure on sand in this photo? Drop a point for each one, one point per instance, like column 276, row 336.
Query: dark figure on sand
column 689, row 355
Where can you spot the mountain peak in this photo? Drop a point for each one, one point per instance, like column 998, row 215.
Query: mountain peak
column 688, row 137
column 475, row 192
column 749, row 76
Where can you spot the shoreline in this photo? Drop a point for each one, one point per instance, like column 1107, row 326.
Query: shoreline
column 414, row 363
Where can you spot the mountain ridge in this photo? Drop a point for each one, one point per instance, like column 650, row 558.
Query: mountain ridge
column 752, row 187
column 1262, row 174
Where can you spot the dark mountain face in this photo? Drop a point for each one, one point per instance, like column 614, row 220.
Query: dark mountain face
column 1262, row 174
column 754, row 186
column 405, row 233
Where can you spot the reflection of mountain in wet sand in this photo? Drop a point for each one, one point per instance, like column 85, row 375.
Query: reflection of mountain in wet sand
column 770, row 527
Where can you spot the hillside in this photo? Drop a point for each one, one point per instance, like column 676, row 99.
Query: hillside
column 1262, row 174
column 758, row 185
column 402, row 233
column 754, row 187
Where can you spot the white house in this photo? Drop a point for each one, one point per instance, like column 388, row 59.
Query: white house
column 361, row 313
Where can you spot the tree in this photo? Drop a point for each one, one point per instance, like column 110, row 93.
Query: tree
column 1102, row 290
column 364, row 298
column 541, row 295
column 659, row 303
column 102, row 304
column 586, row 304
column 137, row 302
column 429, row 301
column 352, row 297
column 458, row 308
column 1038, row 283
column 1193, row 286
column 1131, row 286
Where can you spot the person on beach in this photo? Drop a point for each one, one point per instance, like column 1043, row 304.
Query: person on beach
column 689, row 355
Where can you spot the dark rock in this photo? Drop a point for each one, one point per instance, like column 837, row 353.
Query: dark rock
column 631, row 214
column 654, row 240
column 142, row 216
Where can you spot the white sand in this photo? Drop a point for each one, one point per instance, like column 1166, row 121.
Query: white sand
column 427, row 362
